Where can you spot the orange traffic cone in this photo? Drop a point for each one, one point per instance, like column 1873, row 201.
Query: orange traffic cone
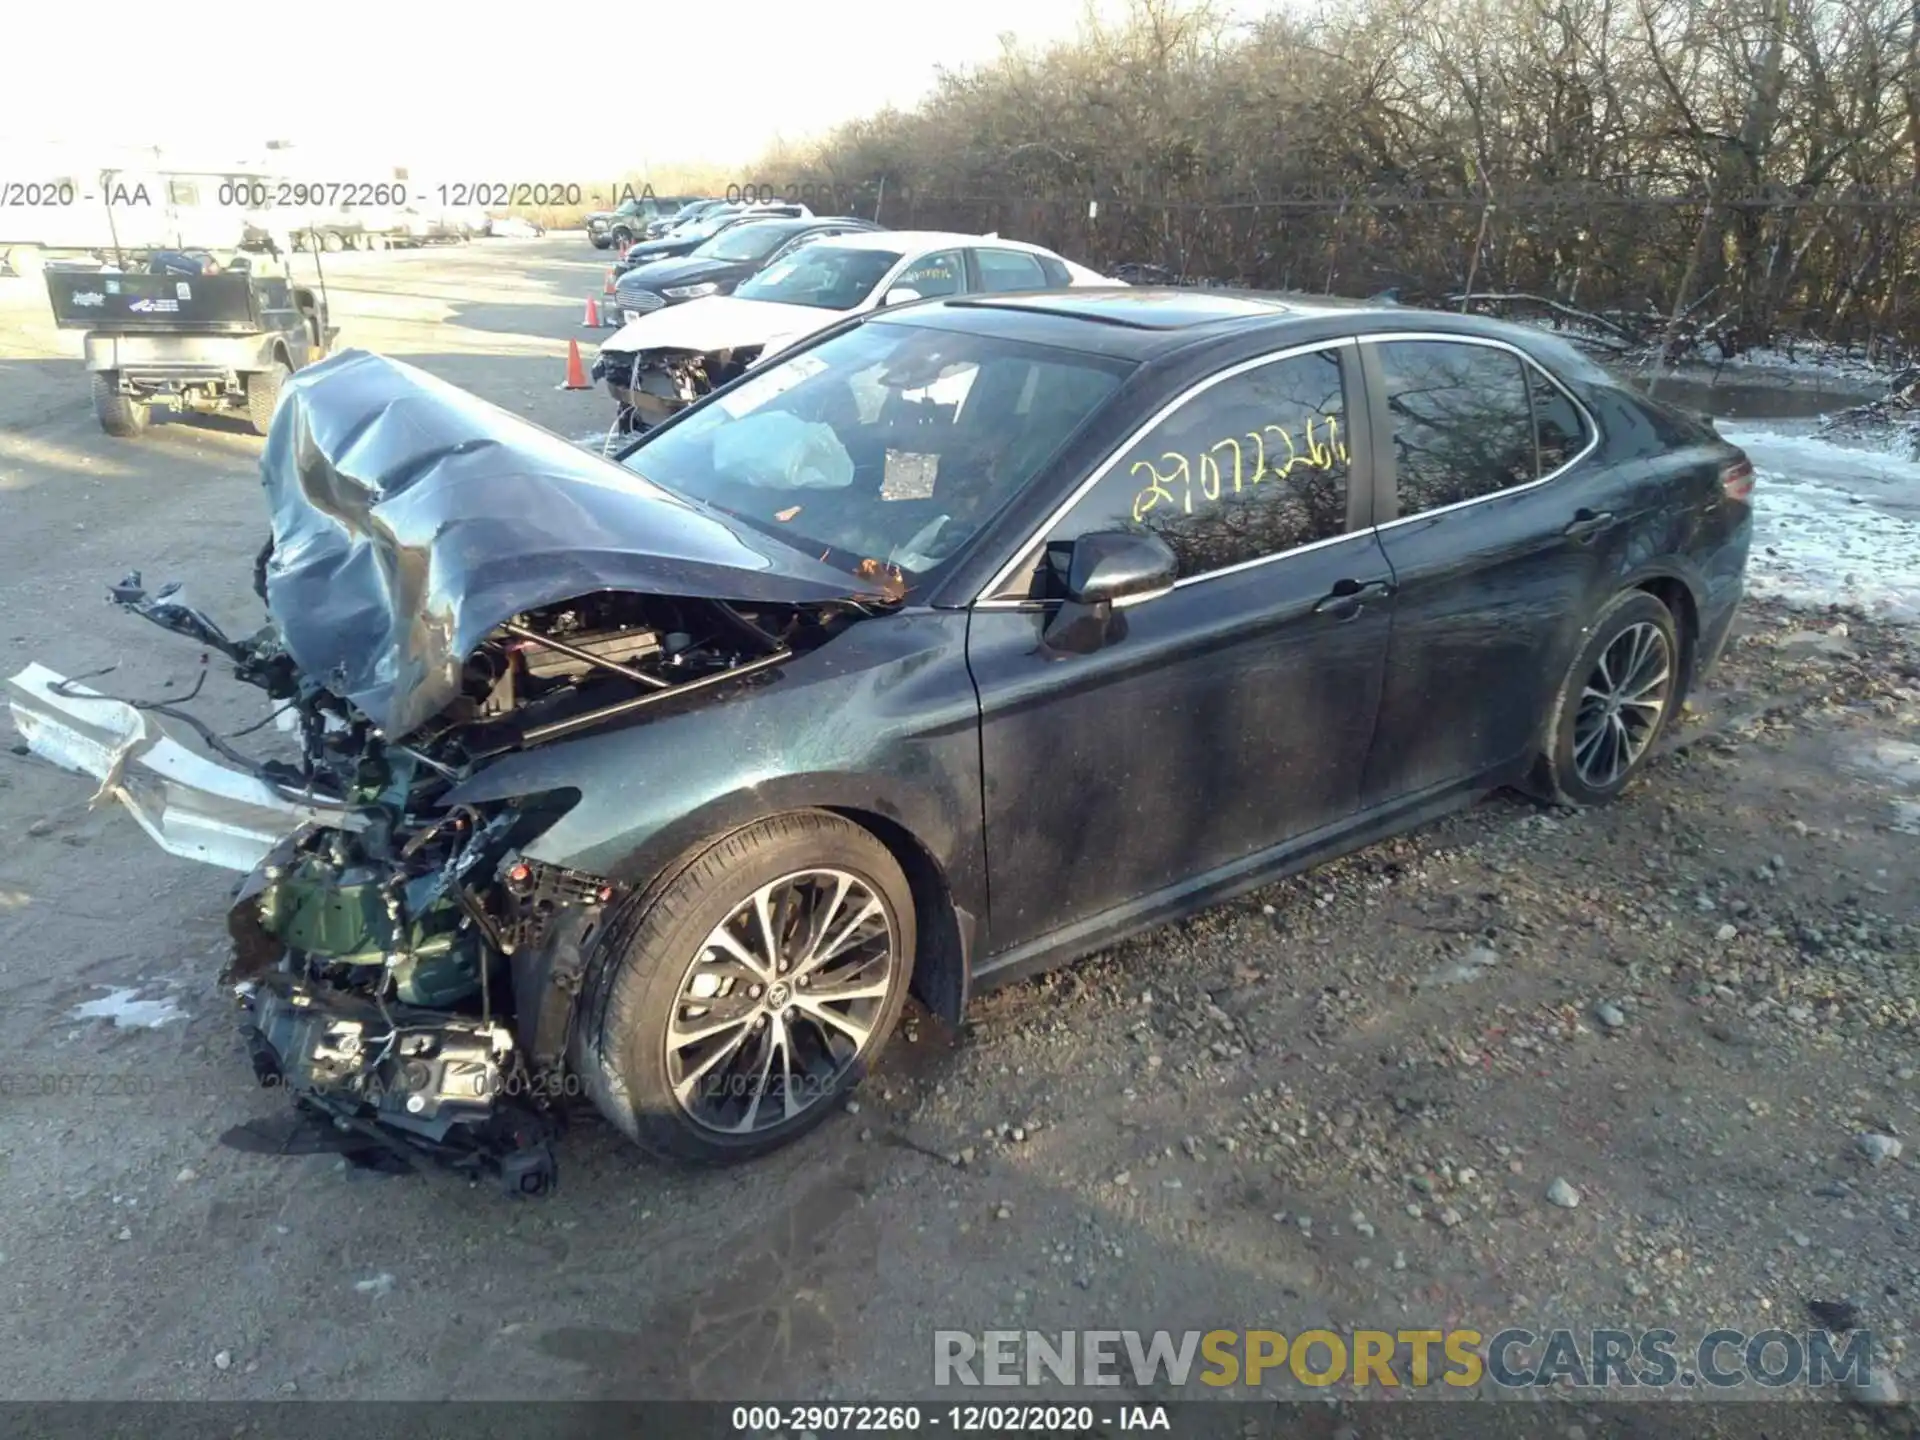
column 607, row 289
column 576, row 372
column 592, row 319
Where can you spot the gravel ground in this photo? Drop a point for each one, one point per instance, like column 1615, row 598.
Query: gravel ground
column 1363, row 1098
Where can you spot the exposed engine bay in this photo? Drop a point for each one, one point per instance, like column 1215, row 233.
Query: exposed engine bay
column 651, row 385
column 412, row 975
column 441, row 591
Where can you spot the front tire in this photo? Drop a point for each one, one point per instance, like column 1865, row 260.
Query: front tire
column 734, row 1005
column 120, row 415
column 1613, row 705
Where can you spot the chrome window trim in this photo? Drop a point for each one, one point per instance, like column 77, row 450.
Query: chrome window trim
column 1526, row 360
column 1038, row 537
column 1181, row 584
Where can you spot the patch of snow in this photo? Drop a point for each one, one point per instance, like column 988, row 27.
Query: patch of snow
column 1833, row 525
column 1897, row 761
column 127, row 1011
column 1810, row 358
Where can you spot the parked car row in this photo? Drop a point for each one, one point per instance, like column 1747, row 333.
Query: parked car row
column 629, row 221
column 692, row 211
column 778, row 281
column 350, row 229
column 688, row 235
column 741, row 248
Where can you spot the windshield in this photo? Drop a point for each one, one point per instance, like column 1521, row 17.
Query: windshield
column 745, row 242
column 706, row 227
column 827, row 277
column 883, row 450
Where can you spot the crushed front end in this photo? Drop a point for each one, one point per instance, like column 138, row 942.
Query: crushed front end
column 441, row 592
column 652, row 385
column 383, row 985
column 406, row 971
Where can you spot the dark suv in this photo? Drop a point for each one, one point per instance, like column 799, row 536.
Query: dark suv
column 620, row 227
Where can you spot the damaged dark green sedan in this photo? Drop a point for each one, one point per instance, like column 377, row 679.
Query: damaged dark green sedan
column 468, row 616
column 966, row 637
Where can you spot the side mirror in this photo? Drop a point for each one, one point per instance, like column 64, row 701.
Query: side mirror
column 1118, row 565
column 1107, row 570
column 900, row 295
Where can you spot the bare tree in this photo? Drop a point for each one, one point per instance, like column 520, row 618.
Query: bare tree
column 1691, row 174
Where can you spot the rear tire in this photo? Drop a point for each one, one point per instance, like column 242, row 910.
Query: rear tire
column 332, row 242
column 120, row 415
column 680, row 1037
column 263, row 396
column 1613, row 704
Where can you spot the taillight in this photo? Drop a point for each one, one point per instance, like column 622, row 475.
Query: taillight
column 1736, row 479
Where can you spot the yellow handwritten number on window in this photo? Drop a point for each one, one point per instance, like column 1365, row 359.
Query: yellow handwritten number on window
column 1323, row 451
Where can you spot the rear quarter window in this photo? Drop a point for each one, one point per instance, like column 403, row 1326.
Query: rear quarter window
column 1672, row 425
column 1560, row 428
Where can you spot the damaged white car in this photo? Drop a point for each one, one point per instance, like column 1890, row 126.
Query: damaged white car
column 663, row 361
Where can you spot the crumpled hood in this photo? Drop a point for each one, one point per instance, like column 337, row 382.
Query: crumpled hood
column 410, row 518
column 720, row 322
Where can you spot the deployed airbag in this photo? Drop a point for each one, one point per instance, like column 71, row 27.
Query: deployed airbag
column 783, row 452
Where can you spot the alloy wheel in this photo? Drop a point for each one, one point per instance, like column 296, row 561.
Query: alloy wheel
column 1621, row 704
column 780, row 1001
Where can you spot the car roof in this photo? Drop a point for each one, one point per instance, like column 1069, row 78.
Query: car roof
column 802, row 222
column 1167, row 307
column 1146, row 323
column 927, row 239
column 779, row 222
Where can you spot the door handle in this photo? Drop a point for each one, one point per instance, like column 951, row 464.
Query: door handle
column 1587, row 524
column 1349, row 597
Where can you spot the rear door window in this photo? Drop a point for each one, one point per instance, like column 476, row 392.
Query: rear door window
column 1463, row 421
column 1010, row 270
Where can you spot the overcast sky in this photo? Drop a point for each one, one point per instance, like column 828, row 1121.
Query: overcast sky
column 506, row 91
